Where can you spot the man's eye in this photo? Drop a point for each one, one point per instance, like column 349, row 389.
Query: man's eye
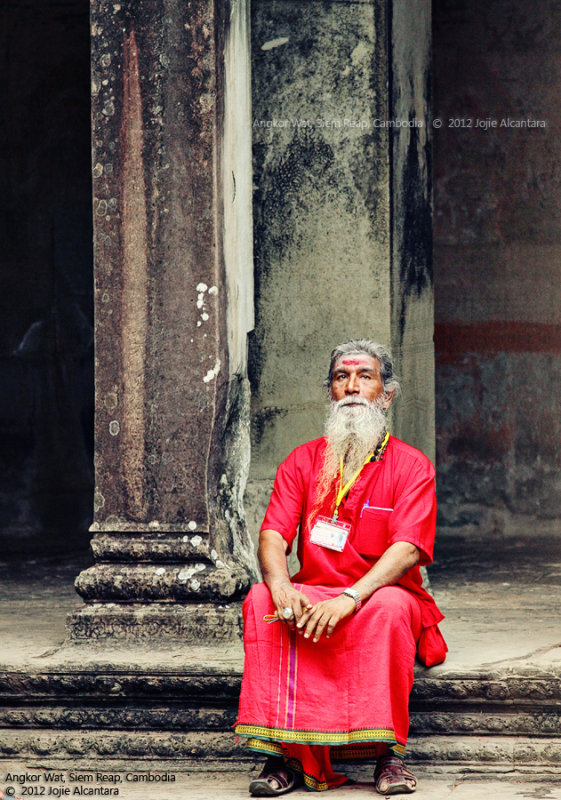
column 366, row 376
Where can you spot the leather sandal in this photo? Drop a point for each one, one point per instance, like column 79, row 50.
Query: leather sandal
column 275, row 778
column 392, row 776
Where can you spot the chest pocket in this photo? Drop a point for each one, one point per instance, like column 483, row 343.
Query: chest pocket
column 372, row 531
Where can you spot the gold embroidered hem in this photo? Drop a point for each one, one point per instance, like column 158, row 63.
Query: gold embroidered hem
column 333, row 738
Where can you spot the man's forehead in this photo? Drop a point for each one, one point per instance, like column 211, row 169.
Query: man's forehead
column 358, row 360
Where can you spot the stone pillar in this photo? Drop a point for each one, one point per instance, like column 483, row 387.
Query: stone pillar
column 174, row 304
column 342, row 212
column 411, row 270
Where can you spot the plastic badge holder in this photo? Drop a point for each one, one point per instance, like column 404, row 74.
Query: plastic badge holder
column 330, row 534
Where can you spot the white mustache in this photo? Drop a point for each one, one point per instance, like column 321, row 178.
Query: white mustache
column 352, row 401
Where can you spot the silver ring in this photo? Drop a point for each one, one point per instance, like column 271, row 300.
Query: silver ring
column 287, row 613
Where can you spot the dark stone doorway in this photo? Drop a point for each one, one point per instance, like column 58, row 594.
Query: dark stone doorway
column 46, row 332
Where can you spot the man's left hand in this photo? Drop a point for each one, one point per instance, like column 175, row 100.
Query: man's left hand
column 324, row 616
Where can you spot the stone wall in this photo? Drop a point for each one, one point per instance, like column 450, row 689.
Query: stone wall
column 497, row 246
column 46, row 336
column 335, row 191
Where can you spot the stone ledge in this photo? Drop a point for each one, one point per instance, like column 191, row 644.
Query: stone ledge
column 482, row 722
column 188, row 713
column 152, row 583
column 514, row 751
column 95, row 744
column 216, row 670
column 184, row 713
column 191, row 750
column 118, row 684
column 172, row 547
column 110, row 718
column 118, row 624
column 500, row 686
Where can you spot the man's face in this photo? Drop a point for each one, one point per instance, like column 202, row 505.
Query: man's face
column 357, row 376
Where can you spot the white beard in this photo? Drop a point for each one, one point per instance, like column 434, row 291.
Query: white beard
column 352, row 433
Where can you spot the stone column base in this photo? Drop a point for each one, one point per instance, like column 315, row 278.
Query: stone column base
column 161, row 623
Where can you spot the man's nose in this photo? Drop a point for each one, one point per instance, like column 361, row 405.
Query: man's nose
column 352, row 386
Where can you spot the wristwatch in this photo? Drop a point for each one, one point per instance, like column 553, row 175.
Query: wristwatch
column 355, row 596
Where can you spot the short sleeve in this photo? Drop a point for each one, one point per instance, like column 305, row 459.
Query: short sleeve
column 284, row 512
column 413, row 518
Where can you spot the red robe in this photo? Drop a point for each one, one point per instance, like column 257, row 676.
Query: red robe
column 345, row 696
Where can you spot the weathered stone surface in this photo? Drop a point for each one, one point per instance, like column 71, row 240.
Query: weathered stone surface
column 487, row 751
column 482, row 721
column 171, row 622
column 162, row 370
column 172, row 218
column 150, row 546
column 95, row 744
column 489, row 688
column 341, row 213
column 144, row 583
column 179, row 714
column 321, row 207
column 475, row 754
column 412, row 323
column 205, row 694
column 100, row 683
column 489, row 703
column 167, row 718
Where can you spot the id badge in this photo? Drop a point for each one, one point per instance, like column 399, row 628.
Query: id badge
column 329, row 534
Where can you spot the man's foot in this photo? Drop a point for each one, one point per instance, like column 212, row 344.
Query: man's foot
column 392, row 776
column 276, row 778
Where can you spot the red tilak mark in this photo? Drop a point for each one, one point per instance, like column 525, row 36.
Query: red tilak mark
column 354, row 361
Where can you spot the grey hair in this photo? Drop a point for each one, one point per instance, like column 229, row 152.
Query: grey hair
column 370, row 348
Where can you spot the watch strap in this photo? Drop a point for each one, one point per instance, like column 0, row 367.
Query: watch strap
column 355, row 596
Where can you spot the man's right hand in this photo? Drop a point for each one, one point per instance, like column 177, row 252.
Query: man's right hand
column 286, row 596
column 272, row 560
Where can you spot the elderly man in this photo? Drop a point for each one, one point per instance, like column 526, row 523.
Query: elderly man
column 330, row 651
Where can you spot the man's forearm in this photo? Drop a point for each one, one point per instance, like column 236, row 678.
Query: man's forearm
column 390, row 567
column 272, row 559
column 324, row 616
column 274, row 568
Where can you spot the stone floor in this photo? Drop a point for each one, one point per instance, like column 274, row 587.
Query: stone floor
column 501, row 597
column 233, row 786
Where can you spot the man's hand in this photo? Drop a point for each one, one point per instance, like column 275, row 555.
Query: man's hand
column 286, row 596
column 272, row 559
column 324, row 616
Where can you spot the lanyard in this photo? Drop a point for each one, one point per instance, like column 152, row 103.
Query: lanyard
column 346, row 488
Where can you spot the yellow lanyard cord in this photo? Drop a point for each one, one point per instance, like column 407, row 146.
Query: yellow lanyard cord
column 346, row 488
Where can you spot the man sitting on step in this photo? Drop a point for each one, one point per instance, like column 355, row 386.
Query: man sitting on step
column 330, row 651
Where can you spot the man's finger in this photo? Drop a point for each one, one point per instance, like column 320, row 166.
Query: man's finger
column 313, row 621
column 306, row 613
column 301, row 607
column 291, row 620
column 304, row 618
column 331, row 626
column 283, row 615
column 305, row 603
column 322, row 622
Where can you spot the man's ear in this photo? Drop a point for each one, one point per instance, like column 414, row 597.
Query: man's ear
column 388, row 397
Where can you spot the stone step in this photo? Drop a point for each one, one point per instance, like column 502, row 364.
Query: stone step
column 487, row 754
column 191, row 750
column 489, row 719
